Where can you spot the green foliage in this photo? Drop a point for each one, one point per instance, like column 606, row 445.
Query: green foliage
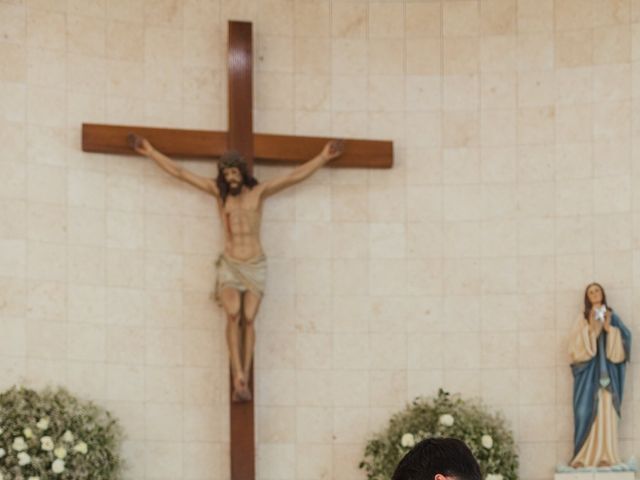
column 430, row 417
column 80, row 437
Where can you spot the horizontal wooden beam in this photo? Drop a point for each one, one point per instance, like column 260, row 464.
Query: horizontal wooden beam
column 293, row 149
column 281, row 149
column 170, row 141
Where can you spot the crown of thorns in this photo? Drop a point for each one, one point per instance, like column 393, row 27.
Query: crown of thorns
column 231, row 159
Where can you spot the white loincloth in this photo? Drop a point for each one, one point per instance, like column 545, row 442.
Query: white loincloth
column 241, row 275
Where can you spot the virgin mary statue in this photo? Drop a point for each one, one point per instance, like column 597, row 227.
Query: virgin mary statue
column 599, row 348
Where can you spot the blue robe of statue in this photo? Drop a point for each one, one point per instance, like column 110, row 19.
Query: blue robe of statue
column 599, row 372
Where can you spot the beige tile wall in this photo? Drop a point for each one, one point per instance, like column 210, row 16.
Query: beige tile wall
column 516, row 182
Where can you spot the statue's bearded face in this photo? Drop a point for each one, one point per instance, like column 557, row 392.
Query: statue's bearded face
column 233, row 177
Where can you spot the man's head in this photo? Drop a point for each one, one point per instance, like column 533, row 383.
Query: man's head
column 233, row 174
column 438, row 459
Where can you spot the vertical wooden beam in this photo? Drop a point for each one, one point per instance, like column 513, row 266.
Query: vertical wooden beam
column 240, row 69
column 240, row 138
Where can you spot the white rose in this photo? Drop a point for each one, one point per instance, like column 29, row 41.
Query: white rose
column 60, row 452
column 68, row 437
column 446, row 420
column 57, row 466
column 3, row 452
column 19, row 444
column 34, row 478
column 1, row 432
column 408, row 440
column 27, row 432
column 46, row 444
column 43, row 424
column 80, row 447
column 493, row 476
column 24, row 458
column 487, row 441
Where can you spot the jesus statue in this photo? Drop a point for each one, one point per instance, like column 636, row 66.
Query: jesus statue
column 241, row 267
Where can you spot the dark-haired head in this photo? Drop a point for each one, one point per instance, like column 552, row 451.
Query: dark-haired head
column 590, row 293
column 436, row 458
column 237, row 174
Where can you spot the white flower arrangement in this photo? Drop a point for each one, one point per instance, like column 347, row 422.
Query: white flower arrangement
column 43, row 424
column 57, row 466
column 46, row 444
column 60, row 453
column 19, row 444
column 80, row 447
column 408, row 440
column 444, row 415
column 51, row 434
column 24, row 458
column 447, row 420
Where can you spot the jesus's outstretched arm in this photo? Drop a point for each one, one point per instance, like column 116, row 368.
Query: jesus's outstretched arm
column 331, row 150
column 144, row 147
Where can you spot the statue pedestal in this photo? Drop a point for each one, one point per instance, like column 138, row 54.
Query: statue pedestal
column 594, row 475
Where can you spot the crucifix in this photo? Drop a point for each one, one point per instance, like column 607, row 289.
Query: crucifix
column 240, row 197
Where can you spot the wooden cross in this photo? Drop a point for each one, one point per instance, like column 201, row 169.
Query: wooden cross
column 262, row 147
